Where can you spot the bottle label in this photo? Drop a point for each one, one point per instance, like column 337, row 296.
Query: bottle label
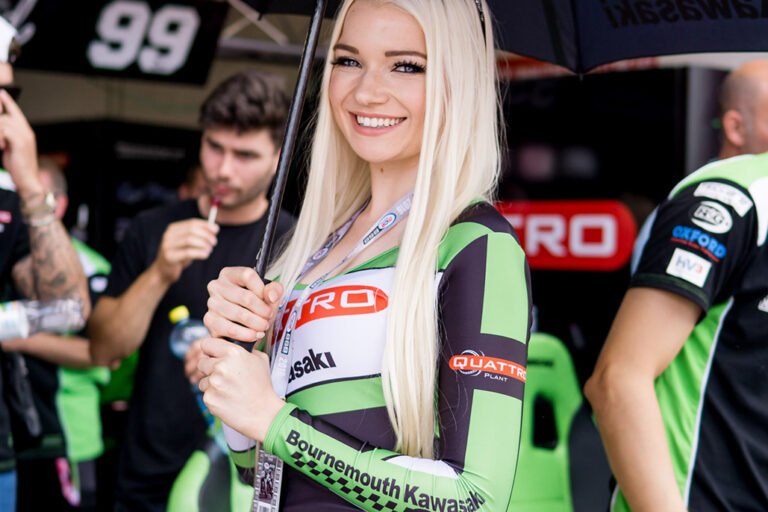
column 13, row 321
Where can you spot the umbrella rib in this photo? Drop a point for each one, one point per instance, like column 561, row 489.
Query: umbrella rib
column 577, row 37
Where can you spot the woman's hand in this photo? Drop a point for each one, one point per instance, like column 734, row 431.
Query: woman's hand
column 240, row 305
column 238, row 388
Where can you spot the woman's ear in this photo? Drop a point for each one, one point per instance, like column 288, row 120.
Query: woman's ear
column 734, row 128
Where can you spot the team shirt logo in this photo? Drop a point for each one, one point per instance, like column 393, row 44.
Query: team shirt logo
column 699, row 240
column 726, row 194
column 310, row 363
column 339, row 301
column 713, row 217
column 690, row 267
column 98, row 284
column 473, row 363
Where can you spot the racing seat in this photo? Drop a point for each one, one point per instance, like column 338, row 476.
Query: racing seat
column 552, row 398
column 209, row 483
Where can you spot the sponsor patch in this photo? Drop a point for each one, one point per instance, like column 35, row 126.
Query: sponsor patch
column 699, row 240
column 5, row 217
column 726, row 194
column 688, row 266
column 6, row 182
column 763, row 305
column 474, row 363
column 712, row 216
column 310, row 363
column 338, row 301
column 98, row 284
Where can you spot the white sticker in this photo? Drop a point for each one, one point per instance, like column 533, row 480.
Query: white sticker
column 6, row 182
column 763, row 305
column 688, row 266
column 725, row 194
column 98, row 284
column 713, row 217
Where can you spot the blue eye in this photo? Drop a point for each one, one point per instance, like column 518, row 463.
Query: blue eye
column 346, row 62
column 409, row 67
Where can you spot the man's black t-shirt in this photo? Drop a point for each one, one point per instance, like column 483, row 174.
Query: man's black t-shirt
column 164, row 423
column 14, row 245
column 708, row 245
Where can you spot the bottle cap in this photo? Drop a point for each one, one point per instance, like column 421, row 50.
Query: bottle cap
column 178, row 314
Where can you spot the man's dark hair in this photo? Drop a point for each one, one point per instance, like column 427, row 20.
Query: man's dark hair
column 250, row 100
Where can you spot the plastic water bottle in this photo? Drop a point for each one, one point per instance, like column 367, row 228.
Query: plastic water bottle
column 23, row 318
column 186, row 331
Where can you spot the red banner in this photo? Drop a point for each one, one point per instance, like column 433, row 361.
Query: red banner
column 573, row 235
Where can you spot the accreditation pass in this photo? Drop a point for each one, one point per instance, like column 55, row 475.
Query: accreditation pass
column 268, row 480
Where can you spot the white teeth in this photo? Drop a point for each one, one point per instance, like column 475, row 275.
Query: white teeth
column 378, row 122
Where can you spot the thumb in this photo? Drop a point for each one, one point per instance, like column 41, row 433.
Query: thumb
column 273, row 293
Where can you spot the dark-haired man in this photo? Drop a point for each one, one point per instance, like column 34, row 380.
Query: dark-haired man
column 166, row 259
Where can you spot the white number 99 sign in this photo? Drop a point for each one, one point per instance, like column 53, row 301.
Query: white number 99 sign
column 159, row 43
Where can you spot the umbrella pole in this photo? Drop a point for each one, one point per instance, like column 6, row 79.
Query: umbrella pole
column 291, row 133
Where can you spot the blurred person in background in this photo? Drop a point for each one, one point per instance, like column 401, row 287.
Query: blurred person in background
column 165, row 260
column 193, row 185
column 36, row 259
column 66, row 387
column 680, row 388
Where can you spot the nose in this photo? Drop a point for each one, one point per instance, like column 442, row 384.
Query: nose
column 370, row 88
column 226, row 166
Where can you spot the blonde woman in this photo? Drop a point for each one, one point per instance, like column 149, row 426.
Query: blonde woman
column 399, row 324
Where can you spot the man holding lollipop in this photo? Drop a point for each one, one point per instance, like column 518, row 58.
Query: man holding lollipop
column 165, row 260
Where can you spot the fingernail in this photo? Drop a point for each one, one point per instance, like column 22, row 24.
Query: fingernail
column 273, row 296
column 260, row 335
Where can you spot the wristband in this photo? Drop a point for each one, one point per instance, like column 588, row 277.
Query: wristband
column 41, row 219
column 46, row 206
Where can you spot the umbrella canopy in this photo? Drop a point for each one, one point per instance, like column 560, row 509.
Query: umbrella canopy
column 583, row 34
column 576, row 34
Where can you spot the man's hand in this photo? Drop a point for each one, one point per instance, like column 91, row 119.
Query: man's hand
column 17, row 142
column 183, row 242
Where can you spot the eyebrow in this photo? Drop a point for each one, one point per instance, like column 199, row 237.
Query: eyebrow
column 391, row 53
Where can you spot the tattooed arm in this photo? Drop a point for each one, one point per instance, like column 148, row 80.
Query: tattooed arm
column 52, row 270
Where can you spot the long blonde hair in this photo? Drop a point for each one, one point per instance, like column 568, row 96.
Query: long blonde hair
column 459, row 162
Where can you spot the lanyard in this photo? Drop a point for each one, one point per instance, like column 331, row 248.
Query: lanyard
column 281, row 357
column 269, row 468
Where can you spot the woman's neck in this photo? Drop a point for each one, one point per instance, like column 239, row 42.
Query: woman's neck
column 388, row 185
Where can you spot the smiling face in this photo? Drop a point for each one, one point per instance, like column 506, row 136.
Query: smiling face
column 377, row 88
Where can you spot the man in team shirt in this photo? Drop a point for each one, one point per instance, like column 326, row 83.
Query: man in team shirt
column 680, row 389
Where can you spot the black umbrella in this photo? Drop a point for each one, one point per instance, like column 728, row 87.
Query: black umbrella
column 583, row 34
column 576, row 34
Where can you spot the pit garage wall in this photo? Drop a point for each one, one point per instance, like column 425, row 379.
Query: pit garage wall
column 617, row 139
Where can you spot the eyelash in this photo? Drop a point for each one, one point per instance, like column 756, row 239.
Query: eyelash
column 343, row 61
column 415, row 67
